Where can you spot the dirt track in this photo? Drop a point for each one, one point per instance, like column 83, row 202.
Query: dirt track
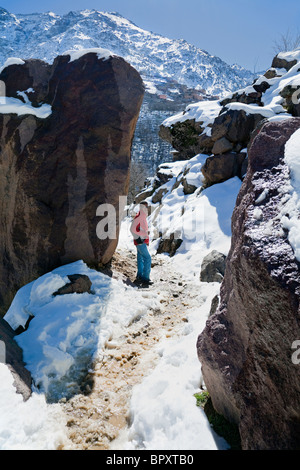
column 96, row 417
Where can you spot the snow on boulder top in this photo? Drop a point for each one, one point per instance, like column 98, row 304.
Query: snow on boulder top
column 290, row 55
column 204, row 111
column 10, row 105
column 12, row 61
column 101, row 53
column 265, row 111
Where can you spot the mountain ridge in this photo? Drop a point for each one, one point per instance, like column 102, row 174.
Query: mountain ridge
column 46, row 35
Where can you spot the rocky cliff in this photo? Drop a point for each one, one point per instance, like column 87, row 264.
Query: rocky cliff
column 66, row 133
column 246, row 348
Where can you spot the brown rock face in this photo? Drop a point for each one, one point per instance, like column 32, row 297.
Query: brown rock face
column 246, row 346
column 235, row 125
column 283, row 63
column 56, row 171
column 220, row 168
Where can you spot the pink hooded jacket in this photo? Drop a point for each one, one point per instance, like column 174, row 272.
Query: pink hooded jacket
column 139, row 228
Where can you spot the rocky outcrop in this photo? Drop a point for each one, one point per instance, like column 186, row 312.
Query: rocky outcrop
column 13, row 358
column 291, row 94
column 245, row 348
column 283, row 62
column 222, row 129
column 186, row 138
column 229, row 132
column 79, row 283
column 213, row 267
column 218, row 168
column 235, row 125
column 57, row 167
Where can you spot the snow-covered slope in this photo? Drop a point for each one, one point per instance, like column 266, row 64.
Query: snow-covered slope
column 157, row 58
column 223, row 126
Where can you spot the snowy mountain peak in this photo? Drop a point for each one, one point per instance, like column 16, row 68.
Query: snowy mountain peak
column 158, row 58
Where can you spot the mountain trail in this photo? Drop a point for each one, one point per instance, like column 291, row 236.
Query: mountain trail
column 96, row 417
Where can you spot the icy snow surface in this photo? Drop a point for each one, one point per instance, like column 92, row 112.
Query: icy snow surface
column 30, row 425
column 292, row 222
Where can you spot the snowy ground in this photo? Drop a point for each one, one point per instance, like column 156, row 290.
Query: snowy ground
column 68, row 332
column 162, row 406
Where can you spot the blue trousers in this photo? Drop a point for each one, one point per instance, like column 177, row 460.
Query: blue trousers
column 143, row 262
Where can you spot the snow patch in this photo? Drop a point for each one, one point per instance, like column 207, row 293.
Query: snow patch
column 67, row 332
column 163, row 411
column 15, row 106
column 12, row 61
column 262, row 196
column 290, row 55
column 30, row 425
column 103, row 54
column 292, row 222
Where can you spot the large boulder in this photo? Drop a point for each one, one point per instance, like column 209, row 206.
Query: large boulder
column 213, row 267
column 218, row 168
column 235, row 125
column 284, row 61
column 65, row 150
column 246, row 347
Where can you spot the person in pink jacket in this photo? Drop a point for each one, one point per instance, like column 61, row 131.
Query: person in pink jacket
column 140, row 231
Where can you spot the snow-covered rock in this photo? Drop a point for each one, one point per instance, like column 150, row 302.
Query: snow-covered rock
column 220, row 126
column 246, row 349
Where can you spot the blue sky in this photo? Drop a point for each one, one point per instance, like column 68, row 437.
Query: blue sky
column 238, row 31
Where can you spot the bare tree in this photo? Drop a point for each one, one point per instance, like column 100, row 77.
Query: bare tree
column 138, row 175
column 287, row 42
column 255, row 65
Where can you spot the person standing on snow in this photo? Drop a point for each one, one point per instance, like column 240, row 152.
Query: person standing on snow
column 140, row 232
